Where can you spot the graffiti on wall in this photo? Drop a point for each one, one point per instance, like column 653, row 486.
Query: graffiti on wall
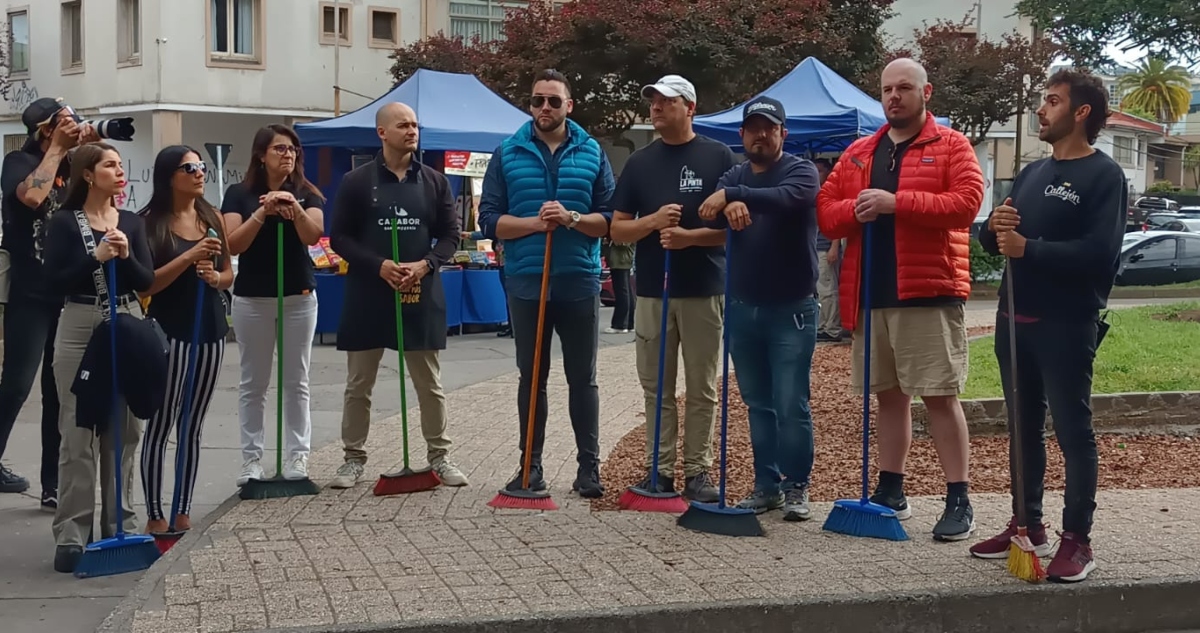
column 139, row 182
column 19, row 94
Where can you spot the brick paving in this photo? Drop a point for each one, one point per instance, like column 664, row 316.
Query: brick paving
column 348, row 557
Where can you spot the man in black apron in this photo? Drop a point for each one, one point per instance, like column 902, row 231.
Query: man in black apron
column 394, row 188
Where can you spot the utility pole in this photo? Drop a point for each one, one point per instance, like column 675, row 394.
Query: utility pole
column 1022, row 105
column 337, row 57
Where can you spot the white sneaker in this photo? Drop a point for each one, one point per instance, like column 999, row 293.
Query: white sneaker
column 296, row 469
column 347, row 475
column 251, row 469
column 448, row 472
column 610, row 330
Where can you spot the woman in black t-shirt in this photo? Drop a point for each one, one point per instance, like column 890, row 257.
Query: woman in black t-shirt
column 274, row 193
column 96, row 176
column 178, row 219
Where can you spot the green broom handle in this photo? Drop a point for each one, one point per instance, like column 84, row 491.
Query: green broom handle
column 279, row 347
column 400, row 345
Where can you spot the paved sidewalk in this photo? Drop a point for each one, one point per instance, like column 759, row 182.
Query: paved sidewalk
column 347, row 558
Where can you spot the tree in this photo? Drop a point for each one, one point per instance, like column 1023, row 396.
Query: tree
column 1166, row 28
column 1191, row 160
column 1158, row 88
column 1138, row 112
column 979, row 83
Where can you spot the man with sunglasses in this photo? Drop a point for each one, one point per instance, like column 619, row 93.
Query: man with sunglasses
column 551, row 176
column 34, row 185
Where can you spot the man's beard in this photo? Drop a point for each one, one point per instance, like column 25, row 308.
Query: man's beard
column 761, row 155
column 905, row 122
column 1056, row 132
column 550, row 126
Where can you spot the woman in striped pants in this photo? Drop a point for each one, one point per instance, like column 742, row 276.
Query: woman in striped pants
column 178, row 219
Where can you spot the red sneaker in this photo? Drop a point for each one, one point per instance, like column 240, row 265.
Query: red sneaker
column 1073, row 562
column 997, row 546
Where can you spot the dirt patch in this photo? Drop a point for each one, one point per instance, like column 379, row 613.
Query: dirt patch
column 1126, row 461
column 1186, row 316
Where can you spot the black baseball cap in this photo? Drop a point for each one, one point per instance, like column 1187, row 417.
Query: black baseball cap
column 766, row 107
column 40, row 112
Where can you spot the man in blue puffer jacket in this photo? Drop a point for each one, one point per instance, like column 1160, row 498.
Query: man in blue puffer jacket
column 552, row 176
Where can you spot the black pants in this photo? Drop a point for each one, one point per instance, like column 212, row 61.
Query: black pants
column 29, row 329
column 1054, row 365
column 576, row 323
column 504, row 288
column 622, row 318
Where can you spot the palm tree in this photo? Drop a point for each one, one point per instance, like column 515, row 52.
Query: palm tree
column 1157, row 87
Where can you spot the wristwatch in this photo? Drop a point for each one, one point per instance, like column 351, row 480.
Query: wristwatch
column 574, row 219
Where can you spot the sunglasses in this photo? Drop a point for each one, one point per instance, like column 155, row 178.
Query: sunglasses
column 284, row 150
column 192, row 168
column 538, row 101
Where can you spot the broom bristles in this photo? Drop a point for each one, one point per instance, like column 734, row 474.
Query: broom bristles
column 512, row 502
column 1023, row 561
column 165, row 540
column 853, row 517
column 277, row 488
column 406, row 482
column 638, row 501
column 117, row 555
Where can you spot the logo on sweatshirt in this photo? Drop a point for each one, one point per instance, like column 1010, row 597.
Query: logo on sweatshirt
column 688, row 182
column 1063, row 192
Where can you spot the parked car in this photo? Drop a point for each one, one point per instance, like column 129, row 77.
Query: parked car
column 1172, row 222
column 607, row 298
column 1157, row 258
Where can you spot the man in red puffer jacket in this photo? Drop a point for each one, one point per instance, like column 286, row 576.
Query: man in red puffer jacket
column 918, row 187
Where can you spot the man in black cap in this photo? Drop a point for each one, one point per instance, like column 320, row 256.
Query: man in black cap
column 34, row 184
column 770, row 202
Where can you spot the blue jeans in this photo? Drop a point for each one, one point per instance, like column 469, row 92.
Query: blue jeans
column 772, row 349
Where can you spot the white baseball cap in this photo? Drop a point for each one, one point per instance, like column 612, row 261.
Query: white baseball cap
column 671, row 86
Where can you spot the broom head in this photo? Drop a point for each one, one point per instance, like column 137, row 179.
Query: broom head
column 120, row 554
column 165, row 540
column 277, row 487
column 1023, row 561
column 642, row 500
column 523, row 499
column 860, row 517
column 711, row 518
column 406, row 481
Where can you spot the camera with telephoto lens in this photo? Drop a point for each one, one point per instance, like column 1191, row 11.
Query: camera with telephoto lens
column 108, row 129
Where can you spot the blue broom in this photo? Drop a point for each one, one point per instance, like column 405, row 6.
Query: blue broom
column 122, row 553
column 860, row 517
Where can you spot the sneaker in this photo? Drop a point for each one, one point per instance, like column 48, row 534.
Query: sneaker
column 997, row 547
column 251, row 469
column 957, row 521
column 612, row 330
column 761, row 502
column 537, row 482
column 795, row 504
column 347, row 475
column 296, row 469
column 699, row 487
column 823, row 337
column 12, row 482
column 1073, row 562
column 449, row 472
column 894, row 500
column 50, row 500
column 665, row 483
column 587, row 482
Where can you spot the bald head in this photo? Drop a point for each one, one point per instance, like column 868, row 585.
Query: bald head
column 905, row 91
column 397, row 126
column 906, row 69
column 390, row 113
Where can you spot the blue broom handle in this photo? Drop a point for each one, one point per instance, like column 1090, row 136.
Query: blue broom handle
column 725, row 365
column 189, row 390
column 118, row 419
column 662, row 363
column 866, row 295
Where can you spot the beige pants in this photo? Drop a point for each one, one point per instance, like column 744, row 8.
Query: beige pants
column 827, row 294
column 923, row 351
column 424, row 369
column 80, row 449
column 693, row 324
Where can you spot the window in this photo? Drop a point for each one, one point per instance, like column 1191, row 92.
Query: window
column 385, row 28
column 235, row 32
column 483, row 18
column 129, row 32
column 1125, row 150
column 1158, row 251
column 14, row 142
column 18, row 43
column 72, row 36
column 335, row 21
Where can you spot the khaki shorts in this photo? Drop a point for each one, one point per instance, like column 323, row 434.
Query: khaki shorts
column 923, row 351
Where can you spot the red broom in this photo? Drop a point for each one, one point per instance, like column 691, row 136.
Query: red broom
column 526, row 499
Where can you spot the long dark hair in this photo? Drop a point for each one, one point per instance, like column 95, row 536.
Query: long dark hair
column 83, row 159
column 161, row 208
column 256, row 174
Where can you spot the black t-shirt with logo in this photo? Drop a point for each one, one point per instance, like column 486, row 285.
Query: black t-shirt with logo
column 257, row 266
column 686, row 174
column 25, row 228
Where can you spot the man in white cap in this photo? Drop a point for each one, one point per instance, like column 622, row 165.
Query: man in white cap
column 656, row 205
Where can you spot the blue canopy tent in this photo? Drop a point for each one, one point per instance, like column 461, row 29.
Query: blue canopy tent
column 825, row 112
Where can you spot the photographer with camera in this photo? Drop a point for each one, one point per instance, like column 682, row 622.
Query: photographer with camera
column 34, row 186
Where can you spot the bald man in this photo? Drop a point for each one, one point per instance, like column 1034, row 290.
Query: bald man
column 917, row 187
column 394, row 193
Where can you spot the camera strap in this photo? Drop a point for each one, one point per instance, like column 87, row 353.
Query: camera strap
column 89, row 244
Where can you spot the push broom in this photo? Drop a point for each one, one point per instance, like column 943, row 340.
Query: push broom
column 860, row 517
column 720, row 518
column 525, row 498
column 406, row 480
column 278, row 486
column 164, row 540
column 121, row 553
column 1023, row 561
column 634, row 497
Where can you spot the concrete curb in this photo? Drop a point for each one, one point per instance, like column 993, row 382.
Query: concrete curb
column 1168, row 412
column 1117, row 293
column 1115, row 607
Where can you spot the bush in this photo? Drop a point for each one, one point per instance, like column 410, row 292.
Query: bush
column 984, row 265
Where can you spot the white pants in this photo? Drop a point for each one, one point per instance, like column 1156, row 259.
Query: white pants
column 254, row 324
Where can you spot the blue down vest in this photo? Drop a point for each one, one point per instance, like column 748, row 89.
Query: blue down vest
column 530, row 184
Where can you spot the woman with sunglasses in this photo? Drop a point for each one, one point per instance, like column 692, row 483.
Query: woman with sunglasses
column 274, row 192
column 178, row 220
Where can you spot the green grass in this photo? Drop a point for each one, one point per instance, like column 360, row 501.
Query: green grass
column 1140, row 353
